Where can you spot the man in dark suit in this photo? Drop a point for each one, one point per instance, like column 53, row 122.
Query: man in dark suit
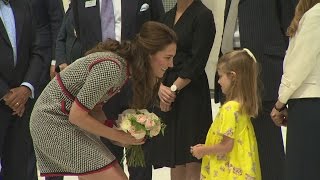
column 129, row 15
column 68, row 48
column 133, row 14
column 260, row 25
column 20, row 69
column 49, row 15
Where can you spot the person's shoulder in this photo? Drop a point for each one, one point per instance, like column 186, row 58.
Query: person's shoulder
column 202, row 11
column 314, row 10
column 171, row 12
column 313, row 13
column 199, row 5
column 231, row 106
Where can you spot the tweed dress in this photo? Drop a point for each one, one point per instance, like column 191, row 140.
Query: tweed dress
column 63, row 148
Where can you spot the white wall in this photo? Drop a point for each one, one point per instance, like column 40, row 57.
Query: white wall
column 217, row 7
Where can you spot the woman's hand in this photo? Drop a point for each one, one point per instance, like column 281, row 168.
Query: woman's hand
column 165, row 107
column 166, row 97
column 279, row 118
column 126, row 139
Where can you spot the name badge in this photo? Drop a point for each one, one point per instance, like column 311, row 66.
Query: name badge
column 90, row 3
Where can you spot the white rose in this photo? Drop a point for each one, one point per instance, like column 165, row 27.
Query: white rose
column 125, row 124
column 154, row 116
column 144, row 111
column 129, row 111
column 155, row 130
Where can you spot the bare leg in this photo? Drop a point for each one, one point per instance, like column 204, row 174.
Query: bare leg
column 114, row 173
column 193, row 171
column 178, row 173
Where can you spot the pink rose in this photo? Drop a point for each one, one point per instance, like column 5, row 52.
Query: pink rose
column 149, row 124
column 141, row 118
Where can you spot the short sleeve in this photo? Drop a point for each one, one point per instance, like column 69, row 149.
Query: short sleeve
column 103, row 77
column 229, row 118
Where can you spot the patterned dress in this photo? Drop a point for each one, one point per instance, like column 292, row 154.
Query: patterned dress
column 63, row 148
column 242, row 162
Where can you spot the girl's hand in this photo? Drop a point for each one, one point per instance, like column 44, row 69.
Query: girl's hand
column 126, row 139
column 198, row 151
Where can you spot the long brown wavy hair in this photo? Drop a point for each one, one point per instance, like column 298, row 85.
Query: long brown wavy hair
column 245, row 85
column 153, row 37
column 302, row 7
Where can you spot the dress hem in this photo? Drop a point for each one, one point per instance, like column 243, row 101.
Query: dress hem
column 79, row 174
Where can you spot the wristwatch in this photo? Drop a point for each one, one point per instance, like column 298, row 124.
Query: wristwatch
column 280, row 109
column 174, row 88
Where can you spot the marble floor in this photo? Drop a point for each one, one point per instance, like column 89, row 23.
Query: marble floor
column 164, row 173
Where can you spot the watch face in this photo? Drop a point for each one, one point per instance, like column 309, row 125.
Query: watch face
column 173, row 88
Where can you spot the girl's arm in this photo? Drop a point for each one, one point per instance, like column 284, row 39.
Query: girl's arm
column 223, row 147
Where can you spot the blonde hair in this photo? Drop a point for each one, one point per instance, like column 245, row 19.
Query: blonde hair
column 302, row 7
column 244, row 87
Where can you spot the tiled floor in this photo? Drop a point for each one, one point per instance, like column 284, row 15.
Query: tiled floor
column 164, row 173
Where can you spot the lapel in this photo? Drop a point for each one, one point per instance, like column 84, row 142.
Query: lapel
column 4, row 34
column 19, row 12
column 91, row 20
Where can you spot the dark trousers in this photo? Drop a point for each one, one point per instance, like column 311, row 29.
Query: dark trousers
column 270, row 144
column 15, row 144
column 303, row 157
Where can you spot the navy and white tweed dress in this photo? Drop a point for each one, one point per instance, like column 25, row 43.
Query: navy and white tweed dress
column 63, row 148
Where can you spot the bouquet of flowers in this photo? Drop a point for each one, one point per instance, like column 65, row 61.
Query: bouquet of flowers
column 140, row 124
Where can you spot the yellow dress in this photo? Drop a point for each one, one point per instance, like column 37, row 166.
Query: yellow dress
column 242, row 162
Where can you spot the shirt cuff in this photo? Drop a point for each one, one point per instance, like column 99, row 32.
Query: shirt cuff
column 53, row 62
column 30, row 87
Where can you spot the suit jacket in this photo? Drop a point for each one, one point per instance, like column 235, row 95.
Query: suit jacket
column 263, row 25
column 88, row 24
column 49, row 15
column 68, row 46
column 29, row 59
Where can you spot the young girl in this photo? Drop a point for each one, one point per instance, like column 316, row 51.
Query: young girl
column 231, row 151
